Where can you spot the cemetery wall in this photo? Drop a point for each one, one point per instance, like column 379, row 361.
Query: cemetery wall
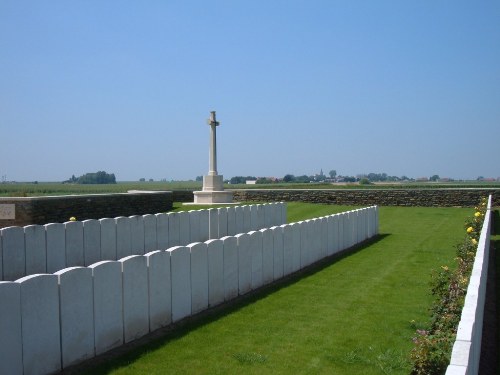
column 51, row 247
column 381, row 197
column 466, row 352
column 57, row 209
column 52, row 321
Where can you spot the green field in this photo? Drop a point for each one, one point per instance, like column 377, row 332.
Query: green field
column 352, row 315
column 57, row 188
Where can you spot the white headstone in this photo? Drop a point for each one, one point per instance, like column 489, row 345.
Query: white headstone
column 247, row 219
column 137, row 234
column 254, row 222
column 244, row 263
column 184, row 228
column 215, row 253
column 283, row 213
column 108, row 239
column 162, row 228
column 287, row 249
column 277, row 213
column 340, row 224
column 11, row 345
column 180, row 268
column 269, row 215
column 324, row 237
column 56, row 247
column 256, row 251
column 267, row 256
column 14, row 256
column 305, row 243
column 199, row 277
column 330, row 220
column 149, row 233
column 213, row 223
column 316, row 239
column 160, row 289
column 91, row 241
column 348, row 232
column 230, row 249
column 108, row 305
column 76, row 314
column 123, row 237
column 36, row 254
column 239, row 220
column 222, row 212
column 173, row 229
column 40, row 324
column 261, row 216
column 74, row 243
column 295, row 246
column 231, row 221
column 277, row 252
column 204, row 226
column 135, row 297
column 194, row 225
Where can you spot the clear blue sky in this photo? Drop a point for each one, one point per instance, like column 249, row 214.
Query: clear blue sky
column 402, row 87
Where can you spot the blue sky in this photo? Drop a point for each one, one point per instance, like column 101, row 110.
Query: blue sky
column 402, row 87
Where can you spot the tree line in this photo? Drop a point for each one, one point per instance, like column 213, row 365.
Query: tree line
column 100, row 177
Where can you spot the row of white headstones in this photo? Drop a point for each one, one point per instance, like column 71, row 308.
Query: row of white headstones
column 52, row 321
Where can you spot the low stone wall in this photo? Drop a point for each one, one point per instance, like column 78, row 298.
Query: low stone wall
column 381, row 197
column 57, row 209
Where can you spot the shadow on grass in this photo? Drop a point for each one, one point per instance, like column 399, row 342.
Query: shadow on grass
column 128, row 353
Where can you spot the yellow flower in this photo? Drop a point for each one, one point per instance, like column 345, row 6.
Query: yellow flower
column 470, row 230
column 72, row 218
column 445, row 268
column 474, row 241
column 477, row 214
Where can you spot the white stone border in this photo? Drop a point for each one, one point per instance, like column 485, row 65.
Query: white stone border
column 467, row 348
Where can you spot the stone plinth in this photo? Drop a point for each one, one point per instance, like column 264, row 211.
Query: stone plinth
column 213, row 197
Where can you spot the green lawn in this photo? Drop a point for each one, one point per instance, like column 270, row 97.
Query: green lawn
column 352, row 315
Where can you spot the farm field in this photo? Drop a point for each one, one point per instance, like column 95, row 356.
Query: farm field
column 57, row 188
column 351, row 315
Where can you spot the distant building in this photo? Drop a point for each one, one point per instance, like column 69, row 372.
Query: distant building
column 250, row 182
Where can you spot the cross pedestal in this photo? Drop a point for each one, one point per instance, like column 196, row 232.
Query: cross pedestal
column 213, row 185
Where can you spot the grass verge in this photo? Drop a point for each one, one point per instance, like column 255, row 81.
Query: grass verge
column 352, row 315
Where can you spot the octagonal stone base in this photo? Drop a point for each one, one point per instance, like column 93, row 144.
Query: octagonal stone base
column 213, row 197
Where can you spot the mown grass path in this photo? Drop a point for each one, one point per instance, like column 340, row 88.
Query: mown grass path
column 352, row 315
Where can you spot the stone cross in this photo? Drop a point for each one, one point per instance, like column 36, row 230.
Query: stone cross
column 212, row 160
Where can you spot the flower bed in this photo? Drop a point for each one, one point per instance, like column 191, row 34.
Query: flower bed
column 433, row 346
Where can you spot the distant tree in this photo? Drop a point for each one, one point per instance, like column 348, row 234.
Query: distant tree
column 364, row 181
column 199, row 178
column 332, row 173
column 151, row 180
column 263, row 180
column 100, row 177
column 434, row 178
column 241, row 179
column 349, row 179
column 289, row 178
column 142, row 179
column 304, row 179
